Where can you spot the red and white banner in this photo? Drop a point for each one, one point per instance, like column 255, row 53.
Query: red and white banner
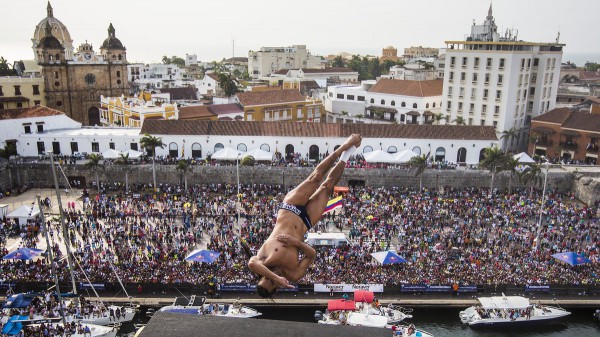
column 347, row 288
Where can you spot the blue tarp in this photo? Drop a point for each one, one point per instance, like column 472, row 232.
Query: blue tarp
column 18, row 301
column 11, row 327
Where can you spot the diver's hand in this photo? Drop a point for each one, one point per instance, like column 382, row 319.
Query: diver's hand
column 287, row 240
column 283, row 282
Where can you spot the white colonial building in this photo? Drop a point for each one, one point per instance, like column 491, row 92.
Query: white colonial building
column 384, row 101
column 499, row 80
column 271, row 59
column 155, row 76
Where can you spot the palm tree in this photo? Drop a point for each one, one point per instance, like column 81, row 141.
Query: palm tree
column 150, row 143
column 228, row 84
column 511, row 167
column 418, row 164
column 183, row 166
column 495, row 161
column 338, row 62
column 124, row 160
column 94, row 163
column 509, row 135
column 438, row 117
column 459, row 120
column 533, row 176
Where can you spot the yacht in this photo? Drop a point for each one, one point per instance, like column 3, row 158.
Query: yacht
column 197, row 306
column 508, row 311
column 17, row 325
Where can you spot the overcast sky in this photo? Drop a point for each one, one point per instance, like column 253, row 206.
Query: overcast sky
column 150, row 29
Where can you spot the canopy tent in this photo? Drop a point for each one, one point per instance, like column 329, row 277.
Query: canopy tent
column 335, row 305
column 228, row 154
column 388, row 257
column 23, row 253
column 523, row 158
column 259, row 155
column 571, row 258
column 378, row 156
column 111, row 154
column 404, row 156
column 133, row 154
column 24, row 213
column 3, row 210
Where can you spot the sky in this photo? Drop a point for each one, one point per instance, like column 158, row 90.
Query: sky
column 150, row 29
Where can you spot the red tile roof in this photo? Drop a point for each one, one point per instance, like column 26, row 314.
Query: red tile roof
column 194, row 112
column 583, row 120
column 408, row 88
column 214, row 76
column 556, row 116
column 181, row 93
column 327, row 70
column 251, row 98
column 36, row 111
column 222, row 109
column 328, row 130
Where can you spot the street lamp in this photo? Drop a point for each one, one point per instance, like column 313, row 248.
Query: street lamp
column 537, row 238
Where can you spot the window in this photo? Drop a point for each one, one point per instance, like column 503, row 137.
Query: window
column 1, row 93
column 37, row 102
column 95, row 147
column 361, row 98
column 473, row 93
column 482, row 122
column 501, row 64
column 452, row 61
column 448, row 105
column 536, row 62
column 340, row 96
column 403, row 104
column 476, row 62
column 74, row 147
column 111, row 145
column 27, row 128
column 119, row 72
column 196, row 150
column 41, row 148
column 498, row 94
column 367, row 149
column 485, row 93
column 460, row 104
column 496, row 110
column 440, row 154
column 17, row 90
column 500, row 79
column 417, row 150
column 496, row 124
column 471, row 107
column 464, row 61
column 19, row 104
column 484, row 108
column 330, row 94
column 218, row 147
column 40, row 128
column 299, row 114
column 532, row 91
column 393, row 103
column 488, row 63
column 36, row 89
column 382, row 102
column 392, row 149
column 173, row 150
column 461, row 93
column 56, row 74
column 522, row 64
column 474, row 77
column 463, row 76
column 487, row 78
column 372, row 101
column 414, row 105
column 56, row 148
column 265, row 147
column 451, row 77
column 350, row 97
column 133, row 146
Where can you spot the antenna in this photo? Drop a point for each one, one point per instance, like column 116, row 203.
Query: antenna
column 558, row 35
column 232, row 49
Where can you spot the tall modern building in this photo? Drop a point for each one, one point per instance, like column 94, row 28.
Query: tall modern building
column 493, row 78
column 271, row 59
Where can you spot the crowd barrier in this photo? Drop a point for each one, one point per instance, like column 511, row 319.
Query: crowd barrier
column 150, row 289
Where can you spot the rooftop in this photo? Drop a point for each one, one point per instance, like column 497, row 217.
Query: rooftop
column 36, row 111
column 408, row 88
column 251, row 98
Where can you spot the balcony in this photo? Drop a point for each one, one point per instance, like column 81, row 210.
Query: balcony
column 568, row 145
column 592, row 148
column 544, row 142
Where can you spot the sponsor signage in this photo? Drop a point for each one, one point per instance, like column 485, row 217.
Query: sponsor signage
column 97, row 286
column 540, row 288
column 249, row 288
column 345, row 288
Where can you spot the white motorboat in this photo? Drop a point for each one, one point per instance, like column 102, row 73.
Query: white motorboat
column 362, row 311
column 509, row 311
column 197, row 306
column 409, row 331
column 17, row 324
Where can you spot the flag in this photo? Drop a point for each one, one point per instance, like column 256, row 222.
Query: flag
column 333, row 204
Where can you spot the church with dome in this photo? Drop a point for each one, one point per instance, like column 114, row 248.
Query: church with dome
column 75, row 79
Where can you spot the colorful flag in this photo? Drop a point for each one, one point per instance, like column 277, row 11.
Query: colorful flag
column 333, row 204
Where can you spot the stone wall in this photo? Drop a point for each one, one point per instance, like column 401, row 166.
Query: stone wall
column 40, row 175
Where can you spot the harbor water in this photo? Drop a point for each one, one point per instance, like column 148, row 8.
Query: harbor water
column 444, row 322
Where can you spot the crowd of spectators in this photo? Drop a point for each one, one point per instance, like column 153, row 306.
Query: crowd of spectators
column 467, row 236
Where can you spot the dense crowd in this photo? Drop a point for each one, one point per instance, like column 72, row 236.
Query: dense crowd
column 468, row 236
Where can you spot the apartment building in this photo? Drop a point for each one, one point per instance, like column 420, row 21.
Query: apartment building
column 271, row 59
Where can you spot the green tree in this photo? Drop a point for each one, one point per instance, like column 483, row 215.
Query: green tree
column 509, row 136
column 5, row 69
column 150, row 143
column 10, row 149
column 124, row 161
column 418, row 164
column 438, row 117
column 511, row 167
column 183, row 166
column 94, row 164
column 533, row 176
column 495, row 161
column 459, row 120
column 338, row 62
column 228, row 84
column 248, row 160
column 592, row 66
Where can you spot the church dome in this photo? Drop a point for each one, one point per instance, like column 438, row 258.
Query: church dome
column 59, row 30
column 111, row 41
column 50, row 42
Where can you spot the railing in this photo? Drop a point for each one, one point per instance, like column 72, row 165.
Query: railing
column 568, row 145
column 544, row 142
column 592, row 148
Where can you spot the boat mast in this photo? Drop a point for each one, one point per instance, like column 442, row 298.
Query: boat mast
column 51, row 259
column 62, row 223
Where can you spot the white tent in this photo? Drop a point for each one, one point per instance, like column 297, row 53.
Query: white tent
column 133, row 154
column 228, row 154
column 111, row 154
column 259, row 155
column 3, row 210
column 24, row 213
column 523, row 158
column 378, row 156
column 404, row 156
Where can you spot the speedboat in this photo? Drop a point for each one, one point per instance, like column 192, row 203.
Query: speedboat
column 29, row 327
column 363, row 311
column 197, row 306
column 99, row 315
column 508, row 311
column 409, row 331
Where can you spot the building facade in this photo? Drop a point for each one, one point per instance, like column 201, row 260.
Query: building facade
column 280, row 105
column 389, row 53
column 416, row 52
column 74, row 82
column 500, row 81
column 271, row 59
column 21, row 92
column 132, row 111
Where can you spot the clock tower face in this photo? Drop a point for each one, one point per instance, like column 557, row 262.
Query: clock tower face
column 90, row 79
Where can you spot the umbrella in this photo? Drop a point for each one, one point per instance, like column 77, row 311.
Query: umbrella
column 203, row 255
column 571, row 258
column 523, row 158
column 23, row 254
column 388, row 257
